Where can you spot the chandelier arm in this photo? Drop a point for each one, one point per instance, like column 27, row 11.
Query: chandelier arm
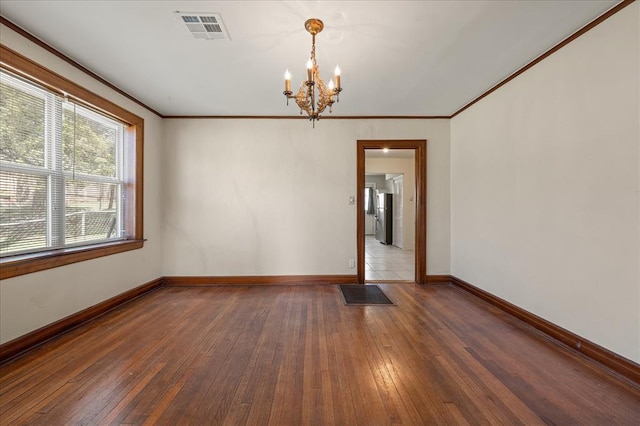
column 325, row 96
column 302, row 99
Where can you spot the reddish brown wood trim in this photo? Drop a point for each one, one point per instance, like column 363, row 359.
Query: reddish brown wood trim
column 21, row 265
column 37, row 337
column 70, row 61
column 615, row 362
column 360, row 170
column 392, row 143
column 438, row 279
column 420, row 147
column 186, row 281
column 301, row 117
column 387, row 117
column 139, row 183
column 421, row 212
column 237, row 117
column 549, row 52
column 31, row 70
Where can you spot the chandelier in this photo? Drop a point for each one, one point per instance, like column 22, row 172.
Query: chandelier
column 314, row 96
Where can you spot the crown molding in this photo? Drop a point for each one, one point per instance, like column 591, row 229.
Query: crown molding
column 298, row 117
column 549, row 52
column 4, row 21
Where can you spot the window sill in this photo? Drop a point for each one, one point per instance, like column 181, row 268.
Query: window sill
column 25, row 264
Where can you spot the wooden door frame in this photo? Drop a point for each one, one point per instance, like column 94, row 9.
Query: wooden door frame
column 420, row 159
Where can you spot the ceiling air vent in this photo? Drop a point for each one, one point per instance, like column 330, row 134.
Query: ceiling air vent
column 204, row 26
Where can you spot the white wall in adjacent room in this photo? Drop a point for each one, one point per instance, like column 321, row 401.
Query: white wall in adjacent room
column 270, row 197
column 406, row 167
column 31, row 301
column 545, row 184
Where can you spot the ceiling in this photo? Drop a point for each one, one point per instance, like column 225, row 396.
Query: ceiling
column 398, row 58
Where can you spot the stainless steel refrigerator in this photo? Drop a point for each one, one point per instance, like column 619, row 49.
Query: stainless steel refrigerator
column 384, row 218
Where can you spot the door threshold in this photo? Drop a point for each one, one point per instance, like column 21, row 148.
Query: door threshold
column 389, row 281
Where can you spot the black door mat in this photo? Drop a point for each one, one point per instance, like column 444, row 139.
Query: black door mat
column 358, row 294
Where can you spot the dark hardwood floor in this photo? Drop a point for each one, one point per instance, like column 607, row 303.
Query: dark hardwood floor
column 297, row 355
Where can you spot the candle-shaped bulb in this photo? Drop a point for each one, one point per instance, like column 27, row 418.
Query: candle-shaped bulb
column 309, row 70
column 287, row 81
column 337, row 73
column 331, row 85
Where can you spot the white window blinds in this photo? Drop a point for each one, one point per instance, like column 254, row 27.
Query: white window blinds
column 61, row 171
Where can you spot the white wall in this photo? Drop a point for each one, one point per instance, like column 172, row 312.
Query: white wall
column 270, row 197
column 406, row 167
column 379, row 180
column 545, row 186
column 31, row 301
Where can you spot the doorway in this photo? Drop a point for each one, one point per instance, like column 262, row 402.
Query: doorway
column 389, row 245
column 419, row 148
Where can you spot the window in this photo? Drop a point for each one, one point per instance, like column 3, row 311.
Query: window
column 70, row 173
column 369, row 198
column 61, row 174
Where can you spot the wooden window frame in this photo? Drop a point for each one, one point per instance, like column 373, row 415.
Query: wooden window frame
column 13, row 266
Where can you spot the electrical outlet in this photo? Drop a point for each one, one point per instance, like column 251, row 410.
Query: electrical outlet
column 352, row 263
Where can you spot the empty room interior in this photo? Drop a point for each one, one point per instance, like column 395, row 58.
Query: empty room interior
column 319, row 212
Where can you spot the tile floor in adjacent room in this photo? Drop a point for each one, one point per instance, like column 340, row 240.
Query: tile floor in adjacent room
column 387, row 262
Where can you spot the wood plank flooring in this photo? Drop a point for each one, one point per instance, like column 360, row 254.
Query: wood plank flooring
column 297, row 355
